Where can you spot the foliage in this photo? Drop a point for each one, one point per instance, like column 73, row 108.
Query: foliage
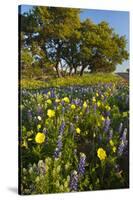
column 85, row 141
column 64, row 44
column 87, row 79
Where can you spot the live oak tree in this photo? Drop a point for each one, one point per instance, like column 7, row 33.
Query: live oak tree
column 57, row 38
column 102, row 49
column 51, row 28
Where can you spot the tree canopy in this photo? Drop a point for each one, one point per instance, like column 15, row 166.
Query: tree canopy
column 55, row 39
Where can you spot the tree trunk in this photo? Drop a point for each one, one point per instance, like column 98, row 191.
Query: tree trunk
column 82, row 70
column 70, row 73
column 75, row 70
column 57, row 70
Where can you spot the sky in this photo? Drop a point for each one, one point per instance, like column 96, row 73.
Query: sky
column 118, row 20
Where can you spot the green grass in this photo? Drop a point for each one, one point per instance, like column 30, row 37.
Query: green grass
column 71, row 80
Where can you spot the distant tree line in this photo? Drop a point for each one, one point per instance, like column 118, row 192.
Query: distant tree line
column 56, row 40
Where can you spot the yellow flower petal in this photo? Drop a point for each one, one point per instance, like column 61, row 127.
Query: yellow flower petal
column 101, row 153
column 40, row 138
column 50, row 113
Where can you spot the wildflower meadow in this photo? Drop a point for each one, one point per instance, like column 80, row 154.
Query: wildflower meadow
column 75, row 138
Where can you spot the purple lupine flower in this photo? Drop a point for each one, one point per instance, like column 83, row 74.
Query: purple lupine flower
column 110, row 134
column 76, row 118
column 121, row 148
column 77, row 101
column 71, row 127
column 52, row 94
column 123, row 138
column 108, row 113
column 87, row 110
column 29, row 115
column 74, row 181
column 99, row 138
column 120, row 127
column 39, row 110
column 81, row 166
column 45, row 131
column 56, row 153
column 59, row 147
column 61, row 128
column 63, row 109
column 59, row 141
column 62, row 102
column 95, row 107
column 107, row 124
column 123, row 142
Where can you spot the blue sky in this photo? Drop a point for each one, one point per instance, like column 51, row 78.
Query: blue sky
column 118, row 20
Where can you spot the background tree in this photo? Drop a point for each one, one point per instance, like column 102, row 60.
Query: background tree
column 51, row 28
column 57, row 40
column 101, row 49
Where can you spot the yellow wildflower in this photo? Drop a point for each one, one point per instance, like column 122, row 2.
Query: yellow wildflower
column 107, row 107
column 49, row 93
column 80, row 113
column 111, row 143
column 98, row 124
column 102, row 97
column 78, row 130
column 102, row 118
column 101, row 153
column 114, row 149
column 66, row 99
column 97, row 94
column 98, row 103
column 39, row 126
column 57, row 100
column 106, row 94
column 50, row 113
column 73, row 107
column 94, row 99
column 84, row 104
column 40, row 138
column 49, row 101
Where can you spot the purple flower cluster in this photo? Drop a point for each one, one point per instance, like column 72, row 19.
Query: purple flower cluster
column 71, row 127
column 59, row 147
column 123, row 142
column 62, row 127
column 95, row 108
column 81, row 166
column 76, row 175
column 120, row 128
column 107, row 125
column 77, row 102
column 110, row 134
column 59, row 141
column 39, row 110
column 52, row 93
column 74, row 181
